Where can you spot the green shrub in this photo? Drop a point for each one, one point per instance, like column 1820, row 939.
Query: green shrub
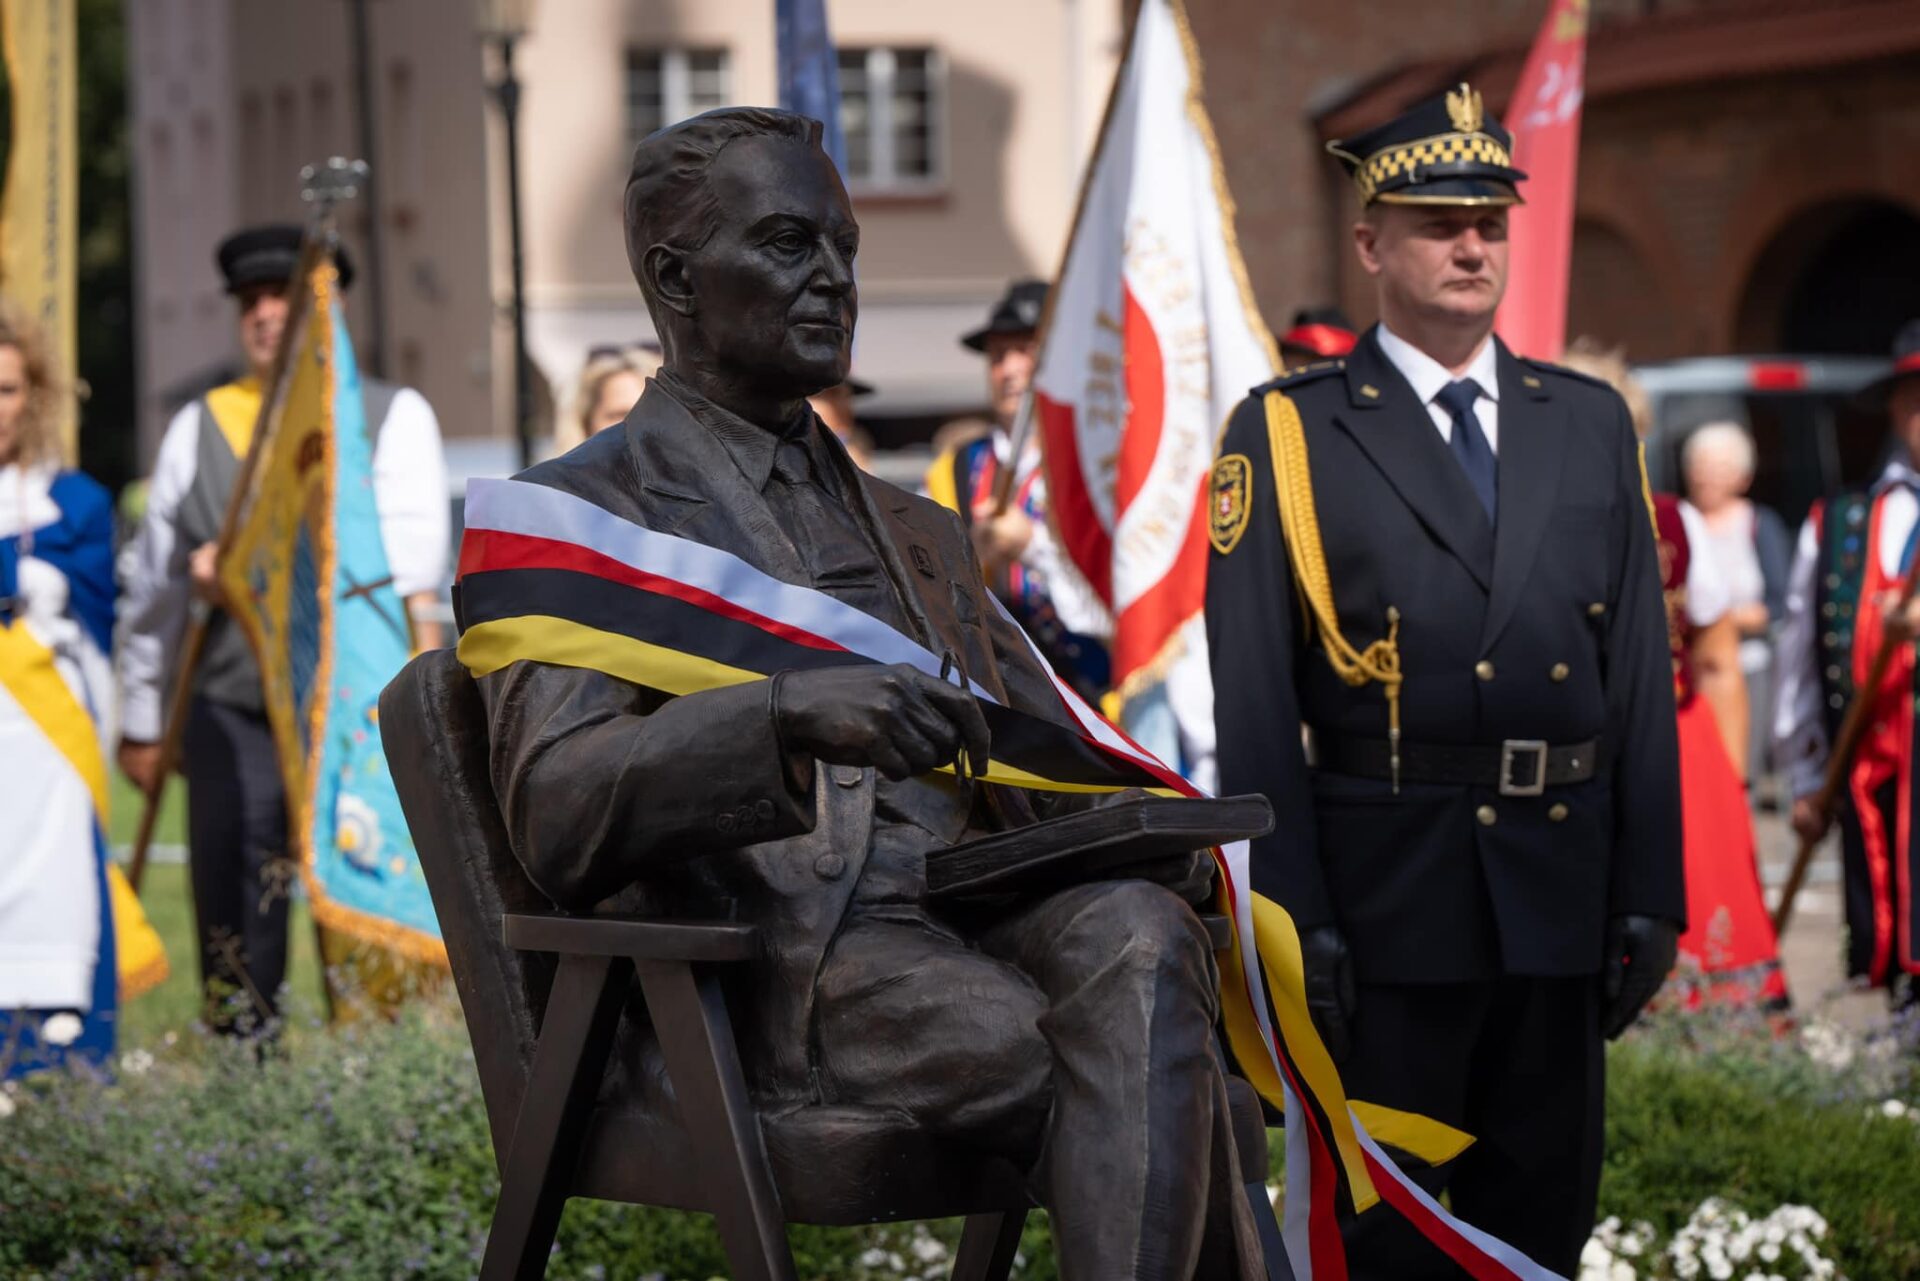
column 365, row 1153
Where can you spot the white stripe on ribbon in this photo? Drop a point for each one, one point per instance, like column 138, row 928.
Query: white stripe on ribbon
column 541, row 511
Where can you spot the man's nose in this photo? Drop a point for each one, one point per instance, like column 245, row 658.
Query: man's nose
column 833, row 273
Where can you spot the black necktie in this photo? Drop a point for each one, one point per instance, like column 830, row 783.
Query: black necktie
column 1470, row 443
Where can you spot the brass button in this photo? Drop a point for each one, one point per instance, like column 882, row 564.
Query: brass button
column 1596, row 609
column 848, row 775
column 1559, row 671
column 1483, row 669
column 829, row 866
column 1558, row 813
column 1486, row 816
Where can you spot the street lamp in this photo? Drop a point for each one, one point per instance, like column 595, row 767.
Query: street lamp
column 505, row 23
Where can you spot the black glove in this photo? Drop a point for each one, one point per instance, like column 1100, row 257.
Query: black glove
column 1639, row 956
column 897, row 719
column 1329, row 981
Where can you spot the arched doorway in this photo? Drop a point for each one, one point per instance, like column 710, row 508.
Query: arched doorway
column 1839, row 277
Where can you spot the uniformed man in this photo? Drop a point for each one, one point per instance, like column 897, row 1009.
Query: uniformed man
column 1855, row 553
column 1438, row 559
column 236, row 802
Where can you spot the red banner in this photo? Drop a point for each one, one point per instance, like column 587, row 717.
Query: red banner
column 1544, row 118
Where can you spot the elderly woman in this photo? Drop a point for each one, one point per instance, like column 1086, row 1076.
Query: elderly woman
column 58, row 989
column 1750, row 546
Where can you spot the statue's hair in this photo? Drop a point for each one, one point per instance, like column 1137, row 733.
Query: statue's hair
column 669, row 200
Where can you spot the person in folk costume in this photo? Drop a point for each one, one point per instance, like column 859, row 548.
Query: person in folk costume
column 237, row 833
column 1437, row 557
column 59, row 989
column 1023, row 563
column 1729, row 954
column 1853, row 556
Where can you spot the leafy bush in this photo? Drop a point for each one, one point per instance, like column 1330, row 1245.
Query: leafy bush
column 365, row 1153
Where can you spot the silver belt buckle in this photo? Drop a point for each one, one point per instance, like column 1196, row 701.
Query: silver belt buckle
column 1510, row 750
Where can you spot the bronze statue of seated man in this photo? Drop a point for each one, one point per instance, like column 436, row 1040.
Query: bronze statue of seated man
column 1072, row 1032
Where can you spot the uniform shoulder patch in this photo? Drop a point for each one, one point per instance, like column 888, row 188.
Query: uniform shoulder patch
column 1548, row 367
column 1299, row 374
column 1229, row 502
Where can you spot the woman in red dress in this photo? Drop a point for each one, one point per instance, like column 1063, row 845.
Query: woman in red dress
column 1729, row 955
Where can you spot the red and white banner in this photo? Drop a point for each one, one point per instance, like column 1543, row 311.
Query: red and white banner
column 1153, row 338
column 1544, row 118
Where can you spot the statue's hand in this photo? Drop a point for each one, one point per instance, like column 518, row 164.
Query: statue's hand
column 1188, row 875
column 897, row 719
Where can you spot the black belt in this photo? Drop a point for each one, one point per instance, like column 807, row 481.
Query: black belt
column 1517, row 766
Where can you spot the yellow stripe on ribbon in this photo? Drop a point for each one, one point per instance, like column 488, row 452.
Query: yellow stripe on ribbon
column 487, row 647
column 1278, row 945
column 1434, row 1142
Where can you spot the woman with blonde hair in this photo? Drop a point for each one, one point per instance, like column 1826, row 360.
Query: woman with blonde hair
column 610, row 382
column 58, row 973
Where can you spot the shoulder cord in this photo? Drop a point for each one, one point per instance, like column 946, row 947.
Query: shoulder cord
column 1300, row 530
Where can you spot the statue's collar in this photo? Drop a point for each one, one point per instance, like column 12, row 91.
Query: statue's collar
column 750, row 445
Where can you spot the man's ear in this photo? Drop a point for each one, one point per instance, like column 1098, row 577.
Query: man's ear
column 667, row 280
column 1366, row 242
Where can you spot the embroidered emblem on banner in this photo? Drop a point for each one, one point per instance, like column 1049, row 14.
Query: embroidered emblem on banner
column 1227, row 505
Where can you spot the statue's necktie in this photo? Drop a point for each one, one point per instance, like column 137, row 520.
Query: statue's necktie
column 1470, row 443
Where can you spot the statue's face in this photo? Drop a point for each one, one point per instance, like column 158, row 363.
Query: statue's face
column 773, row 288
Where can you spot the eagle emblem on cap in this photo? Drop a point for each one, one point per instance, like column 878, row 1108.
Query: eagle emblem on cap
column 1464, row 109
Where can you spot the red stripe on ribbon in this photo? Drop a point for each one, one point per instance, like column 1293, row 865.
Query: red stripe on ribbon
column 492, row 549
column 1477, row 1262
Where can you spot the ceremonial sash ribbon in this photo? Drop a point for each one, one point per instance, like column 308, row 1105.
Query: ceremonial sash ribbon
column 547, row 576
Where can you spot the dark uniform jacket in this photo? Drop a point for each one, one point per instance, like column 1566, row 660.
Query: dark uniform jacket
column 1550, row 629
column 687, row 805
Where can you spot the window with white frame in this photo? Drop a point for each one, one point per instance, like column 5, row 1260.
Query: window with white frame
column 665, row 86
column 893, row 112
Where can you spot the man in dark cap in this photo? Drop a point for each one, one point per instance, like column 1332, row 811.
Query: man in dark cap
column 1070, row 1033
column 1024, row 565
column 236, row 803
column 1317, row 333
column 1460, row 601
column 1848, row 573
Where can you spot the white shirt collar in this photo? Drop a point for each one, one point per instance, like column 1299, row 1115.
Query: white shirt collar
column 1428, row 376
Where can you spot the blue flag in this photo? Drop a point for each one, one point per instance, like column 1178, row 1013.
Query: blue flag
column 810, row 71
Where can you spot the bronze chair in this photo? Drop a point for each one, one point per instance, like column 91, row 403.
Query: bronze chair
column 666, row 1120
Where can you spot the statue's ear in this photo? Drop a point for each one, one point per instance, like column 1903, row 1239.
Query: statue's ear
column 667, row 279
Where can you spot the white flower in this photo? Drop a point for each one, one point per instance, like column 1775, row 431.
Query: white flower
column 873, row 1257
column 63, row 1028
column 928, row 1248
column 6, row 1104
column 136, row 1062
column 1893, row 1108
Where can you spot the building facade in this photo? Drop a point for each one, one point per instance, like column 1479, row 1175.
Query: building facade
column 968, row 128
column 1750, row 171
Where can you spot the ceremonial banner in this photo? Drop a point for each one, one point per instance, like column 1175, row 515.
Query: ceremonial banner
column 38, row 223
column 547, row 576
column 305, row 574
column 1152, row 338
column 810, row 70
column 1544, row 118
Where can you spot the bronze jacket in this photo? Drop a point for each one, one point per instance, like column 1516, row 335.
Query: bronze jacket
column 620, row 797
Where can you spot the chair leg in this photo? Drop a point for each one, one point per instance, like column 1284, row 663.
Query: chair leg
column 696, row 1039
column 569, row 1061
column 987, row 1246
column 1272, row 1246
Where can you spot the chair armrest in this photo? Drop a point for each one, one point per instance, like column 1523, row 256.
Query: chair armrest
column 637, row 938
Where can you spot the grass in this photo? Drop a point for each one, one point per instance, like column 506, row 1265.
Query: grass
column 125, row 803
column 173, row 1006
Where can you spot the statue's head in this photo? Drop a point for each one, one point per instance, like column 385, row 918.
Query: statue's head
column 742, row 238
